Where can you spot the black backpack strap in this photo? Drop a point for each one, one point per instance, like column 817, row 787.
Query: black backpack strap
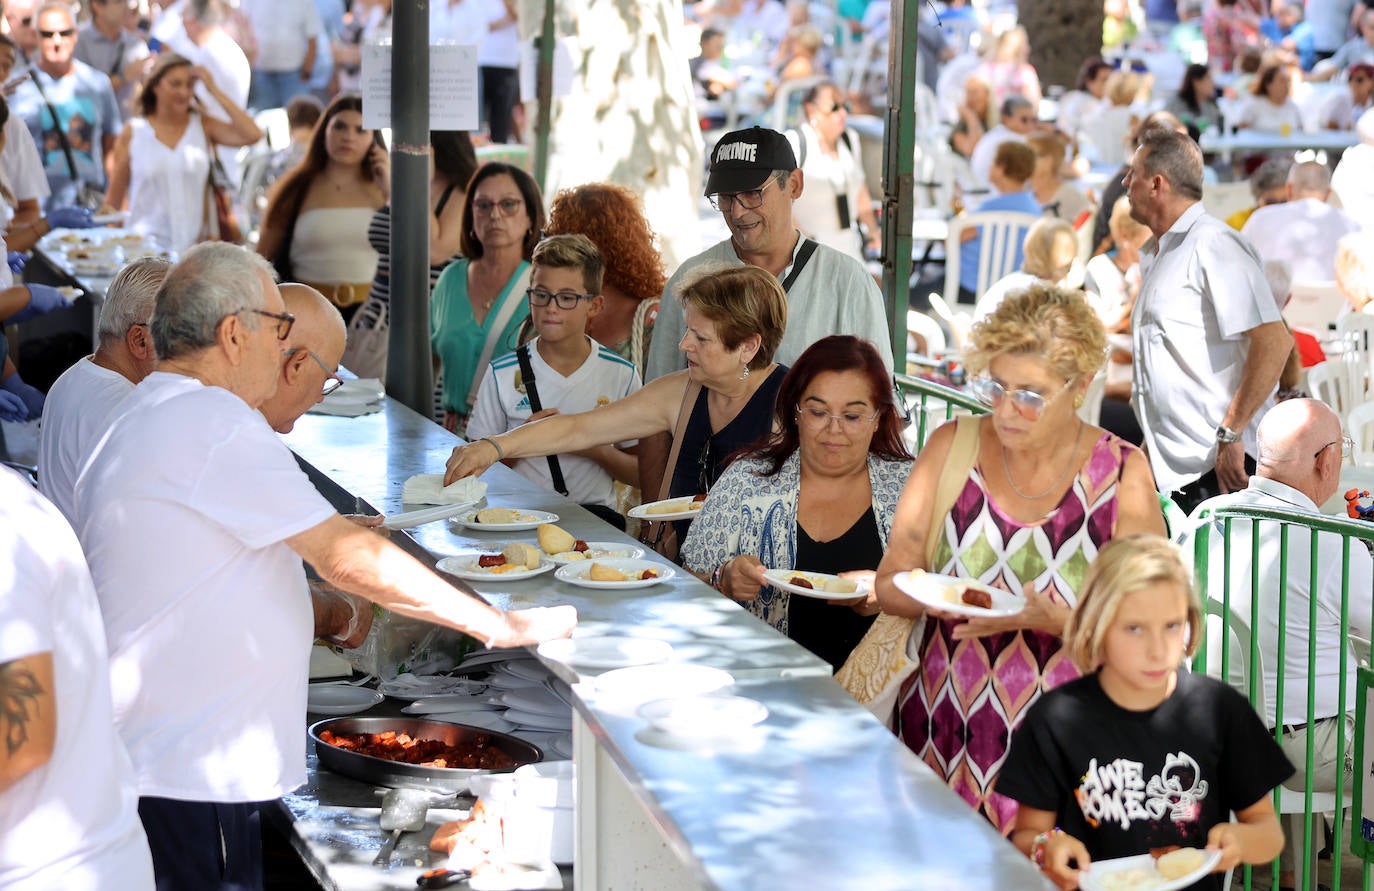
column 522, row 353
column 803, row 255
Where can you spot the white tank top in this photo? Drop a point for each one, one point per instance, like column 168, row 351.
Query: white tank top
column 167, row 185
column 330, row 246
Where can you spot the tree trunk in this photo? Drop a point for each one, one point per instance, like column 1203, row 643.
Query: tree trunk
column 631, row 116
column 1062, row 34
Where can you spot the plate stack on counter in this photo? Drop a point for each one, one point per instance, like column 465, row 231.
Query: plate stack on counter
column 508, row 691
column 361, row 396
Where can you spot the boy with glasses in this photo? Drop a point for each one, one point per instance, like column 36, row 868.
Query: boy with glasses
column 571, row 373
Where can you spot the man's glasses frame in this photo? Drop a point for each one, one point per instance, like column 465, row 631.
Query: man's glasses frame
column 332, row 381
column 1346, row 442
column 284, row 320
column 751, row 199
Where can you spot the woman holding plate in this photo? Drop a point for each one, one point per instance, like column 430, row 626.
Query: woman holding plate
column 1043, row 491
column 723, row 401
column 818, row 495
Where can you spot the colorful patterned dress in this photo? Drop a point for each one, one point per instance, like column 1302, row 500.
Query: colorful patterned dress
column 959, row 710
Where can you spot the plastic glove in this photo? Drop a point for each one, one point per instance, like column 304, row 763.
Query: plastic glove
column 31, row 396
column 12, row 408
column 16, row 260
column 69, row 218
column 42, row 299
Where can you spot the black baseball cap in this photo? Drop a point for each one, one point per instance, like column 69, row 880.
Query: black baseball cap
column 743, row 159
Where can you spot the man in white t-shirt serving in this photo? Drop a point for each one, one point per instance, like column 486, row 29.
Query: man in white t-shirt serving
column 195, row 518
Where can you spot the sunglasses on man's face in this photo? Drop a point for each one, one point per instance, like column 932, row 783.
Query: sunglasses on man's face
column 65, row 34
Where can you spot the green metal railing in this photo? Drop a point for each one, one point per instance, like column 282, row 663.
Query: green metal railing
column 1237, row 600
column 927, row 405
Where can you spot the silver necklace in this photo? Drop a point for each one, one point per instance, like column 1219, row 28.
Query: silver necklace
column 1054, row 485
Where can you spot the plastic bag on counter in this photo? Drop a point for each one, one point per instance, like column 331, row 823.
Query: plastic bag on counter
column 398, row 644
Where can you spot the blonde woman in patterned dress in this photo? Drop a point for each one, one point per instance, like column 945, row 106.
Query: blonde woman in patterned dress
column 1045, row 492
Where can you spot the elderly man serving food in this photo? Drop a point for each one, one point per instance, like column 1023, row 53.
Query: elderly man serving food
column 195, row 517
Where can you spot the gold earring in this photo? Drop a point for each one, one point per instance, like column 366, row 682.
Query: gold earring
column 1078, row 401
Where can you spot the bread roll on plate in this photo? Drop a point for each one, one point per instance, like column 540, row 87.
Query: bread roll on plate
column 1177, row 864
column 554, row 540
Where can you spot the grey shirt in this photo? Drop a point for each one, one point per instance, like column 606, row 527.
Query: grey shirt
column 111, row 57
column 834, row 294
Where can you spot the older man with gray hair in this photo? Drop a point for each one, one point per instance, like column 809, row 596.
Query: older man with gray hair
column 1303, row 229
column 1209, row 341
column 195, row 518
column 84, row 400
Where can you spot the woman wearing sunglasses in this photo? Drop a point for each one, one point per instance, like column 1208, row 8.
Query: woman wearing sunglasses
column 818, row 495
column 1043, row 491
column 835, row 203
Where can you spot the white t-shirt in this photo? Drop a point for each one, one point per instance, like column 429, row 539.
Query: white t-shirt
column 1302, row 233
column 183, row 510
column 816, row 212
column 502, row 405
column 283, row 30
column 22, row 167
column 463, row 22
column 501, row 47
column 986, row 150
column 73, row 822
column 1258, row 113
column 80, row 406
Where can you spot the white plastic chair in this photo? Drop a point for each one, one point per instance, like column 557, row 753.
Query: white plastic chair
column 959, row 321
column 1002, row 233
column 1313, row 306
column 1359, row 424
column 1332, row 382
column 918, row 324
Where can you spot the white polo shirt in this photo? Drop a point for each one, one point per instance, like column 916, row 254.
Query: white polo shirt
column 78, row 411
column 183, row 510
column 503, row 404
column 1202, row 289
column 1302, row 233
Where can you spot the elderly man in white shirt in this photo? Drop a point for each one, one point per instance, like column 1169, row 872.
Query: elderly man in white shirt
column 191, row 479
column 1209, row 342
column 1302, row 230
column 84, row 400
column 1301, row 446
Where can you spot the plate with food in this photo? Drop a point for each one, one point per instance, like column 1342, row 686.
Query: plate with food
column 614, row 574
column 669, row 509
column 1179, row 868
column 966, row 597
column 113, row 218
column 821, row 585
column 513, row 562
column 504, row 519
column 563, row 547
column 70, row 293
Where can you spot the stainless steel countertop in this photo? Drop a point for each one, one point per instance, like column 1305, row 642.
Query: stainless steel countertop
column 829, row 798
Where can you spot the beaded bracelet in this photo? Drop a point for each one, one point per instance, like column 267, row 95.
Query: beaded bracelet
column 715, row 578
column 500, row 452
column 1037, row 854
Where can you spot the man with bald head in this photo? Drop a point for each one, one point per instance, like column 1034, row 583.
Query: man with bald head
column 1303, row 229
column 1301, row 446
column 315, row 347
column 209, row 649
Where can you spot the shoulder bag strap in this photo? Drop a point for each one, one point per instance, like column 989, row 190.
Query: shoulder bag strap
column 503, row 317
column 522, row 353
column 61, row 134
column 963, row 453
column 684, row 414
column 803, row 255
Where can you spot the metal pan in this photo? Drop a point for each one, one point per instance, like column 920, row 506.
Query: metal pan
column 382, row 772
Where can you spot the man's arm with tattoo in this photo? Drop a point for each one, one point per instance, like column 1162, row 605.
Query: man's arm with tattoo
column 28, row 717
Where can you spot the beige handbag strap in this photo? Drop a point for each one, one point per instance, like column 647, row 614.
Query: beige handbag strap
column 963, row 454
column 684, row 414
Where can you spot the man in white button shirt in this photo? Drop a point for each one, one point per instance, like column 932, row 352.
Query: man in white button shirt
column 1209, row 341
column 1303, row 229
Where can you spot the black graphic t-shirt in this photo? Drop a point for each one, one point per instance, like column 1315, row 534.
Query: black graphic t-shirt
column 1123, row 782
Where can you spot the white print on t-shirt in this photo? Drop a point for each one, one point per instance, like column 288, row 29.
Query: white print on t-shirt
column 1118, row 793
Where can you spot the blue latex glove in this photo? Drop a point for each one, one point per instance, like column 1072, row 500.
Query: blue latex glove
column 17, row 260
column 12, row 408
column 42, row 299
column 69, row 218
column 31, row 396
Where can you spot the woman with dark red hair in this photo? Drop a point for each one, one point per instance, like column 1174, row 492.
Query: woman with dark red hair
column 817, row 495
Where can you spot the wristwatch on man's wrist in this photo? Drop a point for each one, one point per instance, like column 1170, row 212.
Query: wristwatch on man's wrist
column 1227, row 435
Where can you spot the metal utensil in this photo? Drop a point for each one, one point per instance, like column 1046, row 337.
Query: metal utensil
column 403, row 810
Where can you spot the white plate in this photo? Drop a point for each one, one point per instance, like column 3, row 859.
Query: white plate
column 563, row 746
column 529, row 670
column 108, row 219
column 703, row 716
column 532, row 521
column 684, row 512
column 340, row 700
column 1097, row 877
column 434, row 705
column 780, row 579
column 575, row 573
column 536, row 699
column 645, row 682
column 489, row 657
column 599, row 550
column 522, row 718
column 69, row 293
column 425, row 515
column 606, row 652
column 929, row 588
column 465, row 567
column 484, row 720
column 409, row 686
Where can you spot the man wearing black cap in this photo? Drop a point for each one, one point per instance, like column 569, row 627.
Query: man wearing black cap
column 754, row 180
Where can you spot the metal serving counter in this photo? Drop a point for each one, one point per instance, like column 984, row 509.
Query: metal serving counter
column 824, row 796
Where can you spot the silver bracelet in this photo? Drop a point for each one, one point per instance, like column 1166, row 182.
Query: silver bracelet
column 500, row 452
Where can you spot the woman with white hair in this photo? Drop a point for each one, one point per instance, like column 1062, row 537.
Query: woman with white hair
column 1049, row 251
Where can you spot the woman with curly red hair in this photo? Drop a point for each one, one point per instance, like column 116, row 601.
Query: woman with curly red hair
column 611, row 216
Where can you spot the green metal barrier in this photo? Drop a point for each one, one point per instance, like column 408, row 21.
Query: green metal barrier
column 1235, row 600
column 927, row 405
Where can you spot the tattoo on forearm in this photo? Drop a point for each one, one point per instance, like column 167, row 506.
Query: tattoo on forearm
column 19, row 693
